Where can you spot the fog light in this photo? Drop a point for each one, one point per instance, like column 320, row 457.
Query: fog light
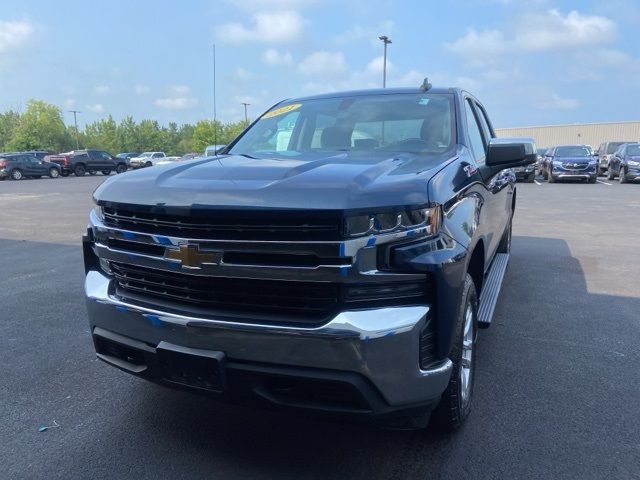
column 106, row 266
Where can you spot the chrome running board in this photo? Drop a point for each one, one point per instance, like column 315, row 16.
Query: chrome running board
column 491, row 289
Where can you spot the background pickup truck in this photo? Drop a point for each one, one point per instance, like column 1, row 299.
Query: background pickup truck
column 343, row 271
column 146, row 159
column 79, row 162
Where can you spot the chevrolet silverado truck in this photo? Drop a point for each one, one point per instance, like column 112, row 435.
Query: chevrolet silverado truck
column 344, row 271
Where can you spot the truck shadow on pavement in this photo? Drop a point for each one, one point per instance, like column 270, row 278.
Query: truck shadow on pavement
column 556, row 382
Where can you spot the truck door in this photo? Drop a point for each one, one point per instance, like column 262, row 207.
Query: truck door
column 498, row 190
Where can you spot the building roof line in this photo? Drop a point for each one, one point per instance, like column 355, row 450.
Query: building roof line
column 569, row 125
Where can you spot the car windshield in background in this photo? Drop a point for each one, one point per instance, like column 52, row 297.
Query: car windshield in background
column 633, row 150
column 403, row 123
column 146, row 154
column 613, row 146
column 572, row 152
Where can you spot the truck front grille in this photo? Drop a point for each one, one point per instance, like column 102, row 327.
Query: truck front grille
column 298, row 225
column 248, row 300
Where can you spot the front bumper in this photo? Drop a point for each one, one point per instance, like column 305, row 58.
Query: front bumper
column 371, row 353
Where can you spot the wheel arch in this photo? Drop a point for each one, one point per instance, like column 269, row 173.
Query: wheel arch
column 475, row 268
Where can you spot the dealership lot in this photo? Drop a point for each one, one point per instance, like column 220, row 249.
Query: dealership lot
column 556, row 393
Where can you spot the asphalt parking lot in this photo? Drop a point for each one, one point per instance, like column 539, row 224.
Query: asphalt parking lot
column 557, row 388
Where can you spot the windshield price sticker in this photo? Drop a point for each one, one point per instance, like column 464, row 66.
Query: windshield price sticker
column 282, row 110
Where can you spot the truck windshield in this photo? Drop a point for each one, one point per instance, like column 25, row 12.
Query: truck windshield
column 613, row 146
column 404, row 123
column 572, row 152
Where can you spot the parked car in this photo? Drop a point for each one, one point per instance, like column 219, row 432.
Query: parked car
column 79, row 162
column 328, row 274
column 22, row 165
column 526, row 173
column 574, row 162
column 604, row 152
column 39, row 154
column 540, row 152
column 127, row 156
column 625, row 163
column 190, row 156
column 166, row 160
column 213, row 150
column 146, row 159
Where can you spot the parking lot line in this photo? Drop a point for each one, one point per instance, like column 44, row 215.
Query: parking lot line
column 537, row 182
column 604, row 183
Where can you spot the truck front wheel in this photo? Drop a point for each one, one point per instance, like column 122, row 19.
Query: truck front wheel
column 455, row 404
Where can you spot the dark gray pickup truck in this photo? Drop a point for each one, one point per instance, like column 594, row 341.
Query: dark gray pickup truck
column 337, row 257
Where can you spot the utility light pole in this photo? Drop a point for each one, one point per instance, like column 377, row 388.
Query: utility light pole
column 246, row 119
column 386, row 40
column 75, row 122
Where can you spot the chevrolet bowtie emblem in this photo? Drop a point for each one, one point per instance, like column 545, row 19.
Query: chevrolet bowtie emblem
column 190, row 256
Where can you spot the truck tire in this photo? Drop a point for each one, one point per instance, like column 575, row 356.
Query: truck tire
column 455, row 404
column 121, row 168
column 54, row 173
column 610, row 174
column 106, row 172
column 79, row 171
column 148, row 164
column 16, row 174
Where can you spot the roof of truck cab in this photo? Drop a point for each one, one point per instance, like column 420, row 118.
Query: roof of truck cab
column 374, row 91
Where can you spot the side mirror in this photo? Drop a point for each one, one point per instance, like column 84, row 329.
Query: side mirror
column 510, row 152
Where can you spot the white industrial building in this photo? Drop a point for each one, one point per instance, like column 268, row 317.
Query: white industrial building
column 586, row 133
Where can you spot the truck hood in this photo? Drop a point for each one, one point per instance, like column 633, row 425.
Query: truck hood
column 338, row 181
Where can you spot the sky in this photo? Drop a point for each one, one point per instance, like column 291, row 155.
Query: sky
column 534, row 62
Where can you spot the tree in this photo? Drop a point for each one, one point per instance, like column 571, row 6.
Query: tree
column 206, row 132
column 41, row 127
column 128, row 136
column 9, row 123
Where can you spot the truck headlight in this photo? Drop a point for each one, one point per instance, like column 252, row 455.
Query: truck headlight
column 557, row 164
column 393, row 221
column 631, row 163
column 97, row 209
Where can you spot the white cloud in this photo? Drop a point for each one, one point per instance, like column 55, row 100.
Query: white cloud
column 14, row 34
column 275, row 27
column 95, row 108
column 69, row 103
column 553, row 30
column 243, row 74
column 141, row 89
column 323, row 63
column 176, row 103
column 556, row 102
column 102, row 89
column 533, row 32
column 258, row 5
column 180, row 89
column 376, row 66
column 274, row 57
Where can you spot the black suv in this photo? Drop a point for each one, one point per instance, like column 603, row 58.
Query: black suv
column 23, row 165
column 625, row 163
column 80, row 162
column 339, row 257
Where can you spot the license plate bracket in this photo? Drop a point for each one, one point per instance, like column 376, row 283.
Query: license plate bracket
column 195, row 368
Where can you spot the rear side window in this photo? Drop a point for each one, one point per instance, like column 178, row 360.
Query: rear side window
column 475, row 136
